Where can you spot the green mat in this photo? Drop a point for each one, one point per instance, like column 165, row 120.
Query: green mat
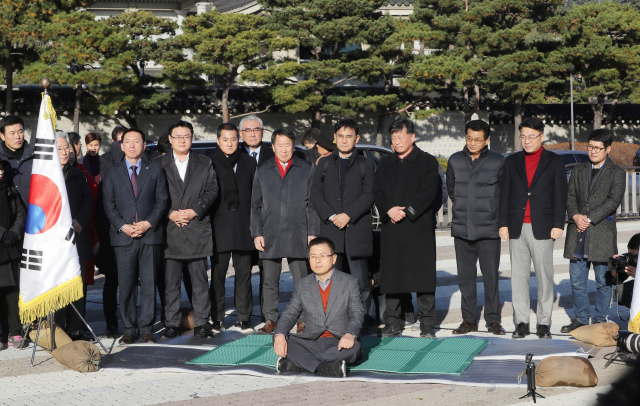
column 408, row 355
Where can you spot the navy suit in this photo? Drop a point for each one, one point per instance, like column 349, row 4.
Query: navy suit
column 137, row 258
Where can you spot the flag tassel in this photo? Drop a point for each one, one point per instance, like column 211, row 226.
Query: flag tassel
column 51, row 301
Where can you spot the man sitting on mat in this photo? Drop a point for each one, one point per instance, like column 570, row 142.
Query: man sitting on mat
column 334, row 315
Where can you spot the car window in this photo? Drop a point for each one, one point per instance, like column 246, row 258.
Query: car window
column 581, row 158
column 568, row 159
column 377, row 155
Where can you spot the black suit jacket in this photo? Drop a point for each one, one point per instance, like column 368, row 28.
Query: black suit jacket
column 547, row 195
column 120, row 204
column 231, row 229
column 266, row 153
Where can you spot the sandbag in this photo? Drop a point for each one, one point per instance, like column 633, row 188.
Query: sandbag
column 187, row 319
column 565, row 371
column 601, row 334
column 81, row 356
column 44, row 339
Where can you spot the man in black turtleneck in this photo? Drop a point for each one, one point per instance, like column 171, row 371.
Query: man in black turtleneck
column 18, row 153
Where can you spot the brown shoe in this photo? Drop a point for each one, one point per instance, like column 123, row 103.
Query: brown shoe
column 127, row 339
column 268, row 328
column 300, row 326
column 496, row 329
column 465, row 328
column 148, row 338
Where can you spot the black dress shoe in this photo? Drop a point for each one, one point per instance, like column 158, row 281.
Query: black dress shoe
column 332, row 369
column 215, row 327
column 284, row 365
column 171, row 332
column 391, row 330
column 203, row 331
column 112, row 332
column 570, row 327
column 522, row 330
column 127, row 339
column 242, row 326
column 77, row 335
column 543, row 331
column 427, row 331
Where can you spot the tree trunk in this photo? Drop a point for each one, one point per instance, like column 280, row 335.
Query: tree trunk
column 225, row 103
column 8, row 66
column 316, row 117
column 76, row 109
column 518, row 112
column 611, row 115
column 597, row 113
column 380, row 128
column 131, row 120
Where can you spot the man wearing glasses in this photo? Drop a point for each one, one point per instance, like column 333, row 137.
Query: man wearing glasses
column 193, row 187
column 473, row 184
column 596, row 189
column 533, row 200
column 251, row 131
column 342, row 195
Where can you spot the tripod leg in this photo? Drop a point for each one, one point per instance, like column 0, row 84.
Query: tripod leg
column 35, row 344
column 89, row 327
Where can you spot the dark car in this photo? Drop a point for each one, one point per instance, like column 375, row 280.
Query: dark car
column 571, row 158
column 369, row 151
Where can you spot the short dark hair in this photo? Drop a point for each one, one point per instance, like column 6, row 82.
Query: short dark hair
column 310, row 135
column 135, row 130
column 164, row 145
column 348, row 123
column 10, row 120
column 323, row 240
column 603, row 135
column 634, row 242
column 533, row 123
column 478, row 125
column 90, row 137
column 181, row 123
column 74, row 137
column 227, row 127
column 117, row 130
column 287, row 133
column 401, row 123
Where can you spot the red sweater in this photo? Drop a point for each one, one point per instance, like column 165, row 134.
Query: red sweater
column 532, row 161
column 324, row 295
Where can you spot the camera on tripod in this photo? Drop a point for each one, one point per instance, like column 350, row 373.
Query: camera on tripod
column 627, row 343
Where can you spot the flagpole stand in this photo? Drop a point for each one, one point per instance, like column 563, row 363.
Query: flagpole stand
column 90, row 330
column 35, row 344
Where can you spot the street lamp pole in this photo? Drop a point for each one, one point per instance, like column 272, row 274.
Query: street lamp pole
column 571, row 69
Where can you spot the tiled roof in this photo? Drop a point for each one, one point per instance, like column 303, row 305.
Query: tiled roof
column 405, row 3
column 227, row 5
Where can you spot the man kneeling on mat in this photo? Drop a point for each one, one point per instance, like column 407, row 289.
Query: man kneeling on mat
column 333, row 311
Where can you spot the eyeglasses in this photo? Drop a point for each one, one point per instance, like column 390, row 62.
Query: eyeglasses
column 529, row 137
column 181, row 137
column 348, row 137
column 595, row 149
column 475, row 140
column 63, row 148
column 320, row 257
column 256, row 130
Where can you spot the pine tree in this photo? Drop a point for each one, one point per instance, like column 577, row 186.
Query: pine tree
column 223, row 46
column 75, row 56
column 603, row 42
column 339, row 42
column 20, row 29
column 147, row 41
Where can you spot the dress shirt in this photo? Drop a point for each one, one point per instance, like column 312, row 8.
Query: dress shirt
column 182, row 166
column 257, row 151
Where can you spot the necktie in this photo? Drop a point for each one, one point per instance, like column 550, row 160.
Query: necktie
column 254, row 154
column 134, row 183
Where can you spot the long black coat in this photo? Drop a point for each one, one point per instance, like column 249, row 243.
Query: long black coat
column 197, row 192
column 599, row 205
column 326, row 197
column 19, row 172
column 232, row 229
column 547, row 195
column 474, row 189
column 10, row 271
column 408, row 248
column 281, row 211
column 81, row 205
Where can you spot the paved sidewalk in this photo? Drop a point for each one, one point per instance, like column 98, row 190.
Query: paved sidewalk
column 50, row 383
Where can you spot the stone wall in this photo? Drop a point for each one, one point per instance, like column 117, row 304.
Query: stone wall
column 441, row 135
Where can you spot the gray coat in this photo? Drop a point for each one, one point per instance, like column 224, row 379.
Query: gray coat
column 197, row 192
column 600, row 206
column 474, row 189
column 281, row 211
column 345, row 313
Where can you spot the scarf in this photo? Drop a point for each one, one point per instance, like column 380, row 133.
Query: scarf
column 17, row 154
column 230, row 193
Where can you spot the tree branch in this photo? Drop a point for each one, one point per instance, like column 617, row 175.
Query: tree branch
column 254, row 112
column 344, row 80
